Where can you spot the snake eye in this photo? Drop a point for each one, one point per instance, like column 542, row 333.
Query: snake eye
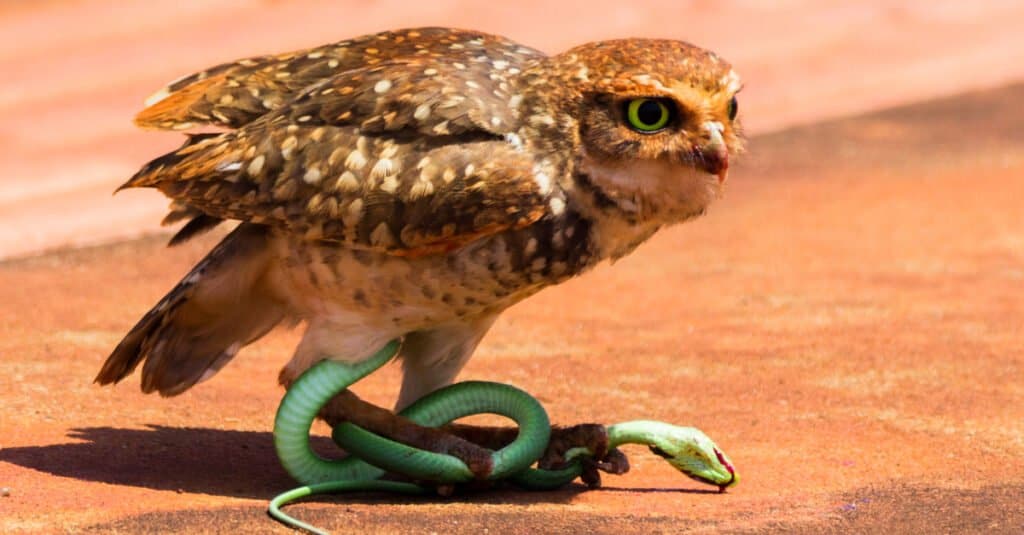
column 734, row 108
column 647, row 115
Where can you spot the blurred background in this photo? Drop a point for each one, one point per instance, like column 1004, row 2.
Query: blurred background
column 75, row 72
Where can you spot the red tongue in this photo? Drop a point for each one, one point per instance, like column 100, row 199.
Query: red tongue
column 722, row 460
column 732, row 472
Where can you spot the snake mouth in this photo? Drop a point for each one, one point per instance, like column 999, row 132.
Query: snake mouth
column 728, row 466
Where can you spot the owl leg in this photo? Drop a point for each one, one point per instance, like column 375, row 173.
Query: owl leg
column 432, row 358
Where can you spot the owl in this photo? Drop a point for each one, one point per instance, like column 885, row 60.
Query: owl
column 412, row 185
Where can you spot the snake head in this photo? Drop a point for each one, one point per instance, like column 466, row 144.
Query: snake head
column 691, row 452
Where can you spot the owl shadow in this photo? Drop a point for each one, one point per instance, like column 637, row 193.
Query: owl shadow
column 211, row 461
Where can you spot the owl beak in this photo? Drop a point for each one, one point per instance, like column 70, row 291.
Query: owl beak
column 714, row 157
column 721, row 165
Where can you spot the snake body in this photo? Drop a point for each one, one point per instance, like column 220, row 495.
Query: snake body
column 371, row 456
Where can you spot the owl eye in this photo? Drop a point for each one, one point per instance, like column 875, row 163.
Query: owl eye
column 647, row 115
column 734, row 108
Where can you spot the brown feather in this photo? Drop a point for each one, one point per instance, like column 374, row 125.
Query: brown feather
column 173, row 111
column 199, row 224
column 237, row 93
column 201, row 323
column 383, row 158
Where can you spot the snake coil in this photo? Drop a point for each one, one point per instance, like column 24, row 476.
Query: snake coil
column 371, row 456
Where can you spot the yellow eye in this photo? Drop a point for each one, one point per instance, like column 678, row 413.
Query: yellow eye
column 647, row 115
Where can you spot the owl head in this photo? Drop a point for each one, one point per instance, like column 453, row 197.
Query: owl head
column 654, row 123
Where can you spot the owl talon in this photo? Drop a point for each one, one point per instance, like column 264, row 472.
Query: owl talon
column 593, row 437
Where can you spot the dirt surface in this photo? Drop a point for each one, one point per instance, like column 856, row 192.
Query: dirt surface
column 846, row 324
column 76, row 72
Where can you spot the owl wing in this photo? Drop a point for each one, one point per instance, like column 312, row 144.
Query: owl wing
column 408, row 157
column 237, row 93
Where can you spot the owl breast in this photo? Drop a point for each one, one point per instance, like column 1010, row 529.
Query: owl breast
column 331, row 281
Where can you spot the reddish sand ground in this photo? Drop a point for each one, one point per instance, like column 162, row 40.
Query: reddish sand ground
column 846, row 324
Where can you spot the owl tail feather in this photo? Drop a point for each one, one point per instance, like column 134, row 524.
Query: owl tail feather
column 199, row 325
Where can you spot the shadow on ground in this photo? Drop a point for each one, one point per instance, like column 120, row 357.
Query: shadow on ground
column 188, row 459
column 241, row 464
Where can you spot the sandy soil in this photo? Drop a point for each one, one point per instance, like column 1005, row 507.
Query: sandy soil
column 75, row 72
column 846, row 325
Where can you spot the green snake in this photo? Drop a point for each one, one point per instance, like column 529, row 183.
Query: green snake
column 371, row 456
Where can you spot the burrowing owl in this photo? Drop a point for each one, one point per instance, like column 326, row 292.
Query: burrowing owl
column 415, row 184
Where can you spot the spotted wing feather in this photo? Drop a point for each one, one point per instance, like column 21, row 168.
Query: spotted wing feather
column 407, row 157
column 237, row 93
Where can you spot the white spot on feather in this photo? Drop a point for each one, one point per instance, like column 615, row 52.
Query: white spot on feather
column 514, row 140
column 557, row 205
column 648, row 80
column 542, row 179
column 385, row 167
column 355, row 160
column 156, row 97
column 422, row 112
column 312, row 176
column 256, row 165
column 421, row 188
column 227, row 167
column 389, row 184
column 542, row 119
column 347, row 182
column 732, row 82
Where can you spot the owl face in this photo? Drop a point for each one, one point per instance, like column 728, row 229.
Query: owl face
column 657, row 123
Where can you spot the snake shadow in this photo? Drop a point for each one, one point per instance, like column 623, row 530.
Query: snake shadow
column 211, row 461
